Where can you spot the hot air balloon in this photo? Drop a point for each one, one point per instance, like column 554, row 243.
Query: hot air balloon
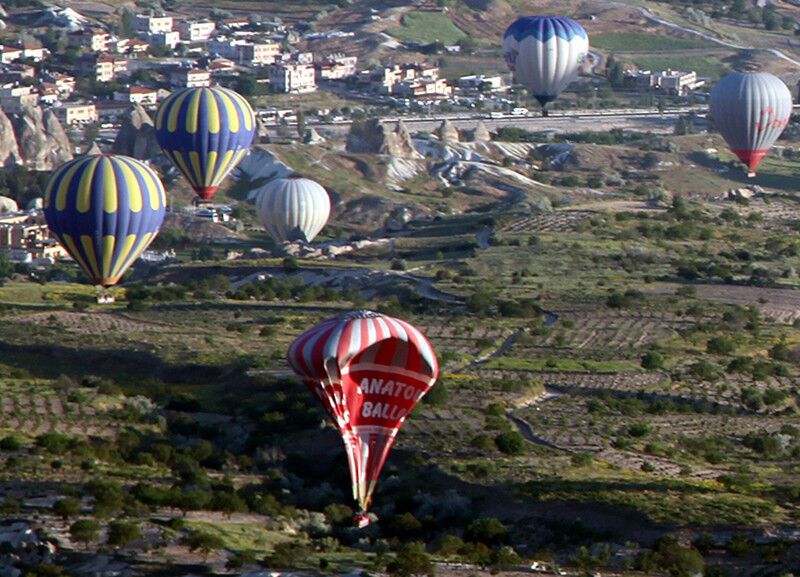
column 293, row 208
column 205, row 132
column 750, row 110
column 545, row 54
column 368, row 370
column 104, row 210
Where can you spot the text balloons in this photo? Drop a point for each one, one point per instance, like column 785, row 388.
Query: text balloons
column 293, row 209
column 104, row 210
column 545, row 54
column 368, row 370
column 750, row 110
column 205, row 132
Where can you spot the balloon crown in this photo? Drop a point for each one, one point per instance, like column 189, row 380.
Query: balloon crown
column 362, row 314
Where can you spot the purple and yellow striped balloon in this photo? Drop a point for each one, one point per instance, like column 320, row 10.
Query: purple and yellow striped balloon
column 104, row 210
column 205, row 132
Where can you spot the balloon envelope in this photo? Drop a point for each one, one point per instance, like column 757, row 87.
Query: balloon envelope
column 368, row 370
column 750, row 110
column 104, row 210
column 545, row 53
column 205, row 132
column 293, row 209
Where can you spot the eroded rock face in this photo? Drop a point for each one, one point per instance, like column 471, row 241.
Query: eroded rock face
column 9, row 151
column 481, row 133
column 448, row 134
column 42, row 140
column 137, row 135
column 373, row 137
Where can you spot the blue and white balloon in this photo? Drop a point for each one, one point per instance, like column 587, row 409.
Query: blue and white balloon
column 545, row 53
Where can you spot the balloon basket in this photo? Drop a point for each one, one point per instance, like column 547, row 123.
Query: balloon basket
column 104, row 297
column 362, row 519
column 751, row 174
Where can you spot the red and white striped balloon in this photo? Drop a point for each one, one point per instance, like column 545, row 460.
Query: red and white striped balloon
column 368, row 370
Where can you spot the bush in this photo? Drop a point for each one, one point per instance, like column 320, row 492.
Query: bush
column 721, row 345
column 10, row 443
column 652, row 361
column 411, row 559
column 489, row 531
column 510, row 443
column 121, row 533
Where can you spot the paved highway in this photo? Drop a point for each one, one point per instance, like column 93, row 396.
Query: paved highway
column 639, row 120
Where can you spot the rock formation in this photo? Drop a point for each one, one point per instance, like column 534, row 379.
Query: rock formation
column 481, row 133
column 8, row 205
column 94, row 149
column 373, row 137
column 448, row 134
column 137, row 135
column 312, row 137
column 42, row 141
column 9, row 151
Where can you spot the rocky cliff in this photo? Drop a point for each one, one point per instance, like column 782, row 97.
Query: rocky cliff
column 42, row 141
column 137, row 135
column 9, row 150
column 374, row 137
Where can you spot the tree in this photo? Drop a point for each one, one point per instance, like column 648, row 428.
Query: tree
column 126, row 24
column 411, row 559
column 67, row 507
column 510, row 443
column 205, row 542
column 287, row 554
column 301, row 124
column 489, row 531
column 84, row 531
column 652, row 361
column 121, row 533
column 10, row 443
column 615, row 72
column 721, row 345
column 108, row 497
column 6, row 267
column 228, row 503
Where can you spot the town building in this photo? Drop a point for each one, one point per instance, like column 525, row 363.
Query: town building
column 137, row 95
column 94, row 39
column 196, row 30
column 64, row 83
column 423, row 88
column 293, row 78
column 169, row 39
column 34, row 53
column 105, row 67
column 29, row 240
column 112, row 109
column 9, row 54
column 480, row 83
column 190, row 77
column 245, row 52
column 14, row 98
column 672, row 82
column 336, row 67
column 383, row 79
column 149, row 24
column 77, row 113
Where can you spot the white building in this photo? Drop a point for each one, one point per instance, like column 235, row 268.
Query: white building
column 170, row 39
column 336, row 67
column 148, row 24
column 137, row 95
column 196, row 30
column 293, row 78
column 244, row 51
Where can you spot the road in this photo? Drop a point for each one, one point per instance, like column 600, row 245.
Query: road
column 652, row 17
column 577, row 122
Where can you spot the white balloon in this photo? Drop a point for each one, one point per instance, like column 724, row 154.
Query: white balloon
column 545, row 53
column 293, row 209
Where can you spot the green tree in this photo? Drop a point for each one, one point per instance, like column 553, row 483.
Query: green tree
column 652, row 361
column 489, row 531
column 510, row 443
column 122, row 533
column 67, row 507
column 204, row 542
column 721, row 345
column 84, row 531
column 411, row 559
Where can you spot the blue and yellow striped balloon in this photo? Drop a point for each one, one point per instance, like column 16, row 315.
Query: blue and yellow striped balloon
column 205, row 132
column 104, row 210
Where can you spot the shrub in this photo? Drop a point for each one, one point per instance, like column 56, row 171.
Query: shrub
column 652, row 361
column 10, row 443
column 510, row 443
column 721, row 345
column 489, row 531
